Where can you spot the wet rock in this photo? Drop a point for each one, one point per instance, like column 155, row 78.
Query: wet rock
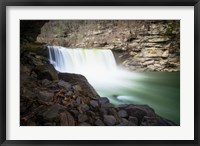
column 87, row 89
column 122, row 113
column 124, row 122
column 51, row 112
column 66, row 119
column 103, row 100
column 84, row 107
column 94, row 103
column 109, row 120
column 156, row 121
column 91, row 114
column 77, row 88
column 112, row 111
column 107, row 105
column 64, row 84
column 28, row 93
column 45, row 96
column 98, row 122
column 103, row 111
column 46, row 82
column 82, row 118
column 46, row 71
column 133, row 120
column 75, row 113
column 140, row 111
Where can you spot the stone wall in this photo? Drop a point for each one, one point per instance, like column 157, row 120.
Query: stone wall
column 137, row 45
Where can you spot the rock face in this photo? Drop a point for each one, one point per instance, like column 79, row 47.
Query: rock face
column 138, row 45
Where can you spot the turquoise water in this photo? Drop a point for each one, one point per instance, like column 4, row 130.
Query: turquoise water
column 160, row 90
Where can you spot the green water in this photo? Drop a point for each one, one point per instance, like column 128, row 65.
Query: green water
column 160, row 90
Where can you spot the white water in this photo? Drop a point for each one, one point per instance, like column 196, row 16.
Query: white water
column 97, row 65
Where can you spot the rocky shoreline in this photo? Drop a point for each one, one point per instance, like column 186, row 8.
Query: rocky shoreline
column 50, row 98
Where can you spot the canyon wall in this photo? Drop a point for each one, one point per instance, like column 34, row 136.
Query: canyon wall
column 138, row 45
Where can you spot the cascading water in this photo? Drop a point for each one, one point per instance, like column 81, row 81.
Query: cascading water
column 97, row 65
column 159, row 90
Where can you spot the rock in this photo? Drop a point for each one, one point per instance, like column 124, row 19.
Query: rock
column 45, row 96
column 46, row 82
column 64, row 84
column 156, row 121
column 148, row 62
column 103, row 111
column 140, row 111
column 87, row 89
column 103, row 100
column 124, row 122
column 77, row 88
column 46, row 71
column 158, row 40
column 165, row 54
column 107, row 105
column 78, row 100
column 151, row 67
column 91, row 114
column 50, row 124
column 152, row 53
column 94, row 103
column 112, row 111
column 75, row 113
column 122, row 113
column 98, row 122
column 69, row 93
column 133, row 120
column 51, row 112
column 82, row 118
column 28, row 93
column 109, row 120
column 163, row 62
column 66, row 119
column 84, row 124
column 84, row 107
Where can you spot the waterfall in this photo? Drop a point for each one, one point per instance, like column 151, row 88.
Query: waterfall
column 81, row 60
column 97, row 65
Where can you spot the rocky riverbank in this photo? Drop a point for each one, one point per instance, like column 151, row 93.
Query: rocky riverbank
column 50, row 98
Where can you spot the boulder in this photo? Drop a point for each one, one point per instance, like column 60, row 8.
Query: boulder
column 122, row 113
column 94, row 103
column 66, row 119
column 103, row 100
column 45, row 96
column 98, row 122
column 64, row 84
column 82, row 117
column 46, row 71
column 86, row 89
column 109, row 120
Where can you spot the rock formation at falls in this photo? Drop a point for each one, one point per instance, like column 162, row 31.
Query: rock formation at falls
column 138, row 45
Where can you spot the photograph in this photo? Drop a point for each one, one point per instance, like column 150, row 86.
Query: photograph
column 99, row 72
